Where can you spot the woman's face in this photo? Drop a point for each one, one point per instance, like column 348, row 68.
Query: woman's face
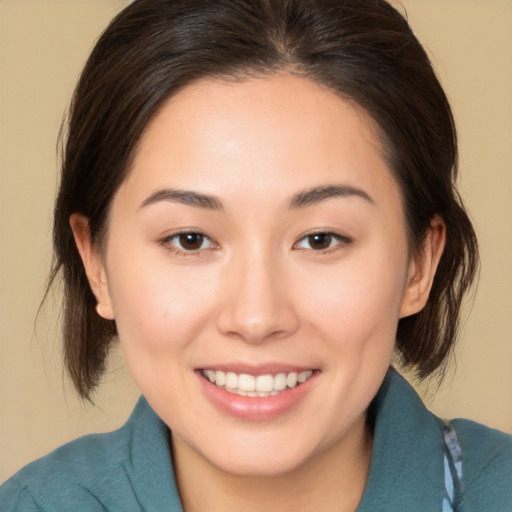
column 258, row 242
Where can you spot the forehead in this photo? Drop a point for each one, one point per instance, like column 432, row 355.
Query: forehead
column 232, row 137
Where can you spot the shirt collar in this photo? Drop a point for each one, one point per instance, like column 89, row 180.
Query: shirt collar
column 406, row 469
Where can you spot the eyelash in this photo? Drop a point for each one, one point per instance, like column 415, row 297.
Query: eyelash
column 341, row 241
column 169, row 242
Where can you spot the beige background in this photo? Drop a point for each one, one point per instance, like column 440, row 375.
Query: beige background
column 43, row 44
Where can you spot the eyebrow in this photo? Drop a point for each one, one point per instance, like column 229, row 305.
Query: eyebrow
column 318, row 194
column 305, row 198
column 187, row 197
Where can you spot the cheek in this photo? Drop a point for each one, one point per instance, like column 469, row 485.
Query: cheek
column 360, row 301
column 159, row 312
column 157, row 307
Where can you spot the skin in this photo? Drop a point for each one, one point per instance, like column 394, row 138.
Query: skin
column 257, row 291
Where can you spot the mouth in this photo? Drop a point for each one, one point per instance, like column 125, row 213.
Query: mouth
column 262, row 386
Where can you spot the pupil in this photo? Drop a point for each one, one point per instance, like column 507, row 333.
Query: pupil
column 191, row 241
column 320, row 241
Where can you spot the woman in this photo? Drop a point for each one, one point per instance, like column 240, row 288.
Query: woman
column 258, row 201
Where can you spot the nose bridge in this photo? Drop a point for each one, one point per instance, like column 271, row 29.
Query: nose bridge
column 257, row 303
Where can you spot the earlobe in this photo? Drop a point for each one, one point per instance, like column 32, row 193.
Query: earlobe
column 422, row 269
column 93, row 264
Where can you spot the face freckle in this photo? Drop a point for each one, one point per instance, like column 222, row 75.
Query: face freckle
column 258, row 169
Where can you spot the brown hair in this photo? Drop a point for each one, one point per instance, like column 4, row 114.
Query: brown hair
column 363, row 50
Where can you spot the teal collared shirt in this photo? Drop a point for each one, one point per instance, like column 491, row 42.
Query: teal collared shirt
column 130, row 470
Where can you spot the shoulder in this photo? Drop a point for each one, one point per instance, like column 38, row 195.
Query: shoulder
column 74, row 476
column 487, row 466
column 71, row 474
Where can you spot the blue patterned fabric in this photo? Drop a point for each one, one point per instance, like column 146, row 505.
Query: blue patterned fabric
column 452, row 470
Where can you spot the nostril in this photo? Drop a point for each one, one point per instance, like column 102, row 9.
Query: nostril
column 257, row 305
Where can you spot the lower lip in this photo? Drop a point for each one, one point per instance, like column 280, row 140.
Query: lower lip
column 256, row 408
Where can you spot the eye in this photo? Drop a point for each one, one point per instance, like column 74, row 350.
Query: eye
column 322, row 241
column 188, row 241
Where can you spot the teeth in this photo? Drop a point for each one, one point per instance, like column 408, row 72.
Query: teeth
column 246, row 382
column 220, row 378
column 231, row 380
column 304, row 376
column 291, row 380
column 280, row 382
column 261, row 386
column 265, row 383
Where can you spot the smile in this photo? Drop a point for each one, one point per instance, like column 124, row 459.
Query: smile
column 256, row 386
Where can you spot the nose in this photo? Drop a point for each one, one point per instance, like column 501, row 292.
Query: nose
column 257, row 303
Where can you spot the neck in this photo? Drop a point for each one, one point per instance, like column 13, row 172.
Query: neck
column 333, row 480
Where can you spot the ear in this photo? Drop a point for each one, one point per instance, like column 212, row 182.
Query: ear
column 93, row 263
column 422, row 269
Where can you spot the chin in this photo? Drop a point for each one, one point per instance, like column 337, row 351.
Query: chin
column 263, row 466
column 269, row 454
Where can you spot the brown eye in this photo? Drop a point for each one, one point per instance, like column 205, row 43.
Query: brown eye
column 188, row 241
column 191, row 241
column 320, row 241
